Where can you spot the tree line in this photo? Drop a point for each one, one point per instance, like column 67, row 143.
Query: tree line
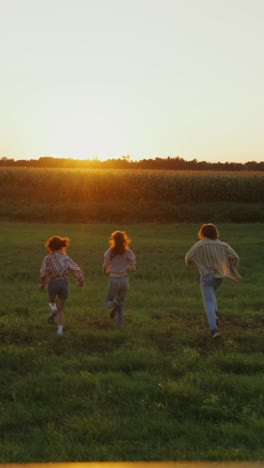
column 170, row 163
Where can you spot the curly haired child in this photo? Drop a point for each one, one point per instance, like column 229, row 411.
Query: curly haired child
column 54, row 271
column 119, row 259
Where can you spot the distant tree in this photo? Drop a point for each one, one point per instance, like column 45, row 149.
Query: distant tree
column 170, row 163
column 4, row 161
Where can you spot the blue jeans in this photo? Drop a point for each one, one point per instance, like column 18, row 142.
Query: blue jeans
column 209, row 284
column 116, row 293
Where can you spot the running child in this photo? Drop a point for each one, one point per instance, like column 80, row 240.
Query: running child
column 214, row 260
column 119, row 259
column 54, row 271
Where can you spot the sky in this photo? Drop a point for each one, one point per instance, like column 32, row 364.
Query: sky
column 145, row 78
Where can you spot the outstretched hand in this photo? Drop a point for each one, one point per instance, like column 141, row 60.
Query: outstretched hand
column 81, row 283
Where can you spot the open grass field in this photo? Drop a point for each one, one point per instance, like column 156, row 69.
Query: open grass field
column 160, row 388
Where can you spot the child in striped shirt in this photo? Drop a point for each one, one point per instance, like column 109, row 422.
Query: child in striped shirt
column 215, row 260
column 54, row 271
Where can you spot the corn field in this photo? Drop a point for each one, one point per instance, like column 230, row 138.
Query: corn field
column 83, row 195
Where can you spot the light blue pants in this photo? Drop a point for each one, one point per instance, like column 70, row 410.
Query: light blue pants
column 209, row 284
column 116, row 293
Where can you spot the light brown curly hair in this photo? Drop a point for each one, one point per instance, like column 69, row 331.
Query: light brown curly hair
column 119, row 243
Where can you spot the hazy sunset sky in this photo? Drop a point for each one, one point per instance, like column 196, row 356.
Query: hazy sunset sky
column 145, row 78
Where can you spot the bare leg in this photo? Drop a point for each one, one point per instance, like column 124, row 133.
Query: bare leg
column 61, row 303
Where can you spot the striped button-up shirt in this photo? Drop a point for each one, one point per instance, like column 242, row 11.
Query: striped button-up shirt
column 59, row 265
column 214, row 257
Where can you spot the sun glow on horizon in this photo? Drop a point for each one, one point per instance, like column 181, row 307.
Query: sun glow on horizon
column 120, row 78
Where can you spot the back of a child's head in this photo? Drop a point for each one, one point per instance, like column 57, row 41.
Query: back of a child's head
column 208, row 231
column 57, row 243
column 119, row 242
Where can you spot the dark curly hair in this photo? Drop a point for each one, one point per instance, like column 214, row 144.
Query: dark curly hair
column 209, row 231
column 57, row 243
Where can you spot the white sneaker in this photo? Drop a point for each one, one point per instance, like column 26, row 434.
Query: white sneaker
column 53, row 308
column 53, row 312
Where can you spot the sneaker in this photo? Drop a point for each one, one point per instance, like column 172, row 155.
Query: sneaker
column 53, row 308
column 53, row 312
column 215, row 334
column 114, row 311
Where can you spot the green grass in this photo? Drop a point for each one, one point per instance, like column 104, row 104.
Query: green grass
column 160, row 388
